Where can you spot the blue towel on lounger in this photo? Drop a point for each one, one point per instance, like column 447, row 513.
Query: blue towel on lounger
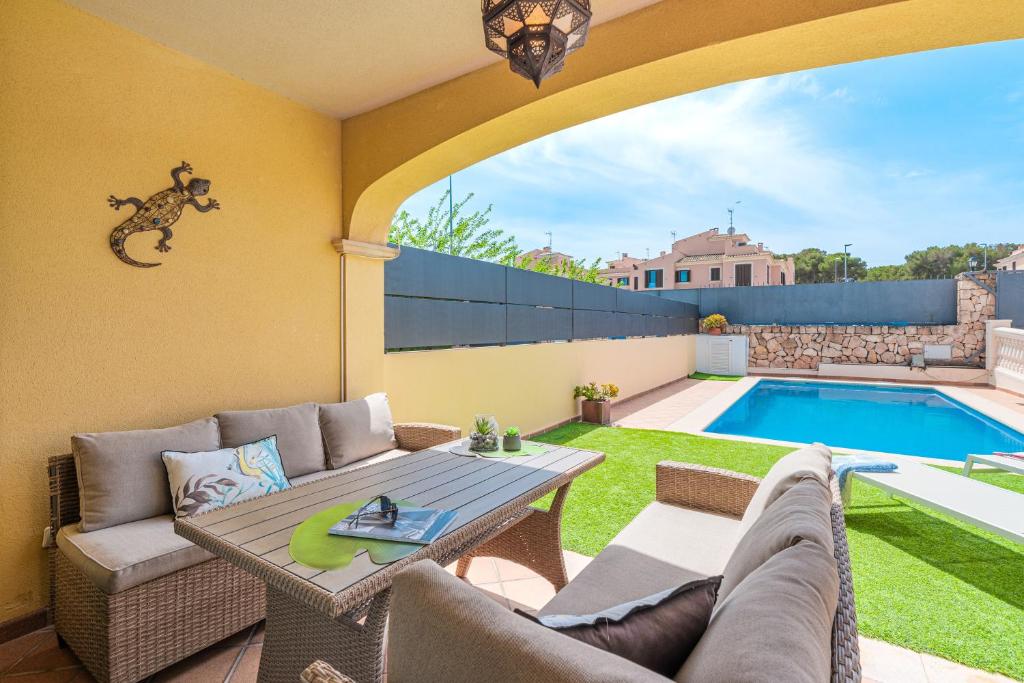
column 844, row 464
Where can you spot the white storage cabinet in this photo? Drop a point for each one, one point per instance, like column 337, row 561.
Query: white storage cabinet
column 724, row 354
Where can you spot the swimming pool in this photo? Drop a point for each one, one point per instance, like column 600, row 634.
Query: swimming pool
column 905, row 420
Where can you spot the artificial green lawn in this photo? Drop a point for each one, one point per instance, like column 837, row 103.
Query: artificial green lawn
column 718, row 378
column 922, row 580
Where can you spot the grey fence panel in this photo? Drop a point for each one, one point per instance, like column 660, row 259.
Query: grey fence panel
column 536, row 289
column 906, row 301
column 435, row 300
column 421, row 323
column 430, row 275
column 588, row 324
column 1010, row 296
column 593, row 297
column 533, row 324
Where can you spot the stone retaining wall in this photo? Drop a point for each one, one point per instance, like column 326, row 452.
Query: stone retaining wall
column 802, row 347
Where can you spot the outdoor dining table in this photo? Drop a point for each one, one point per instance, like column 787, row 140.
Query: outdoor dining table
column 339, row 615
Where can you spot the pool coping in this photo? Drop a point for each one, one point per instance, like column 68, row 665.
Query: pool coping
column 700, row 419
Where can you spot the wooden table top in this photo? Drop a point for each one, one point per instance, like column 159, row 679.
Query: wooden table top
column 255, row 534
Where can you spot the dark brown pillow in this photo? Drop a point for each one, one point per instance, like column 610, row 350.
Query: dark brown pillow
column 657, row 632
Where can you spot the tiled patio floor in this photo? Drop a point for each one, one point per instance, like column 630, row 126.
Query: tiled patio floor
column 35, row 658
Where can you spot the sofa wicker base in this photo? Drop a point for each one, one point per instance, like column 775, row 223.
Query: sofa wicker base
column 535, row 543
column 128, row 636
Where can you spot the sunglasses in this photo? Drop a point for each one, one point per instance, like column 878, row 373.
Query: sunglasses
column 388, row 511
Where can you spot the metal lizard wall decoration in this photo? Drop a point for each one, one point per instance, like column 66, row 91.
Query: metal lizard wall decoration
column 159, row 212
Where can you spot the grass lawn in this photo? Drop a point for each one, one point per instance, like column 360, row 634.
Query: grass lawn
column 923, row 580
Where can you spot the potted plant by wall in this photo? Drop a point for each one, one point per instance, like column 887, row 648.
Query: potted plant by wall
column 485, row 434
column 512, row 440
column 714, row 323
column 597, row 407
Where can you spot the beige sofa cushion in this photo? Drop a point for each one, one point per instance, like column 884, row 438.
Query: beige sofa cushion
column 663, row 547
column 372, row 460
column 441, row 629
column 810, row 461
column 127, row 555
column 297, row 430
column 777, row 622
column 355, row 430
column 802, row 512
column 121, row 477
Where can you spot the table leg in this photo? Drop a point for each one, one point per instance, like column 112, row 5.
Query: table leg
column 297, row 635
column 535, row 542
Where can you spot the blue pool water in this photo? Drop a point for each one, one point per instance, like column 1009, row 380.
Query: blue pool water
column 904, row 420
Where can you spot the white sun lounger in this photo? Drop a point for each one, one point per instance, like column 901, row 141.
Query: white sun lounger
column 992, row 508
column 1015, row 465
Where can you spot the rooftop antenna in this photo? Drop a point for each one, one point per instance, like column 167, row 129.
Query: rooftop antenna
column 673, row 236
column 648, row 253
column 732, row 228
column 549, row 239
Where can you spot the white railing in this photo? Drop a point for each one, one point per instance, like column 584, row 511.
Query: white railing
column 1008, row 358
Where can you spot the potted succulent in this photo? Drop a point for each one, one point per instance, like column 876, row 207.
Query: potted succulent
column 512, row 441
column 485, row 434
column 714, row 323
column 597, row 407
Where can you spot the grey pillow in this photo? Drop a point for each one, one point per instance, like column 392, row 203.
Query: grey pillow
column 121, row 477
column 355, row 430
column 810, row 461
column 657, row 632
column 776, row 625
column 802, row 512
column 298, row 435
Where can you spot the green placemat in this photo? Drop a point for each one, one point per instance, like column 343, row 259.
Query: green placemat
column 528, row 448
column 313, row 547
column 717, row 378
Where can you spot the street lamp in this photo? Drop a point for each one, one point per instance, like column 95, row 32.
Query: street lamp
column 835, row 270
column 985, row 247
column 846, row 261
column 972, row 263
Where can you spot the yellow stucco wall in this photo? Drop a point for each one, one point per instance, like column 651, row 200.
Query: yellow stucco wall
column 244, row 312
column 529, row 386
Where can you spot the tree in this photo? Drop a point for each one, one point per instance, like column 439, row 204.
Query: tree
column 897, row 272
column 815, row 265
column 951, row 260
column 466, row 236
column 469, row 236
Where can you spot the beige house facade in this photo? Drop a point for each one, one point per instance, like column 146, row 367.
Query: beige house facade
column 1014, row 261
column 707, row 259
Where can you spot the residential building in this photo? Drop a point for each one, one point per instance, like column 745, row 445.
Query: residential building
column 1014, row 261
column 555, row 258
column 707, row 259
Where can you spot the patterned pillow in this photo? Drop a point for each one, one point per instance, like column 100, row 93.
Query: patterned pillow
column 208, row 480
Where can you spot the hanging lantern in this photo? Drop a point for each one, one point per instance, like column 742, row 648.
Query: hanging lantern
column 535, row 35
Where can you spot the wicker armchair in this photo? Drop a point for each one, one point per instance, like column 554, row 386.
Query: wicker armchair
column 726, row 492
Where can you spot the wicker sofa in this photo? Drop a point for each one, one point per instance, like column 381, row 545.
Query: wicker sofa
column 442, row 629
column 133, row 598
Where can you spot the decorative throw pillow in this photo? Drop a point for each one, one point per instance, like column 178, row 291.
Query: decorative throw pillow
column 657, row 632
column 356, row 430
column 208, row 480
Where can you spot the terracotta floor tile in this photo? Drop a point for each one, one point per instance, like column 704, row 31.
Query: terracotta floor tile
column 533, row 593
column 239, row 639
column 46, row 656
column 510, row 571
column 574, row 563
column 13, row 651
column 203, row 667
column 938, row 669
column 248, row 666
column 887, row 663
column 482, row 570
column 58, row 676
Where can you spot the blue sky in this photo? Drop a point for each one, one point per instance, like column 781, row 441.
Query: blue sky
column 892, row 154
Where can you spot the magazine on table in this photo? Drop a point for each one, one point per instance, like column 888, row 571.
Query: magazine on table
column 414, row 525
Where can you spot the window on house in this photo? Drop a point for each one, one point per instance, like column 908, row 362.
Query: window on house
column 782, row 277
column 652, row 279
column 716, row 274
column 624, row 281
column 636, row 282
column 743, row 274
column 682, row 276
column 768, row 274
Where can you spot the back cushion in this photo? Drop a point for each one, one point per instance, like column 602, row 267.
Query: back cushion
column 355, row 430
column 776, row 625
column 121, row 477
column 801, row 513
column 297, row 430
column 810, row 461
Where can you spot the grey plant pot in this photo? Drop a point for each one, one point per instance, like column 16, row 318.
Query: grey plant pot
column 512, row 443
